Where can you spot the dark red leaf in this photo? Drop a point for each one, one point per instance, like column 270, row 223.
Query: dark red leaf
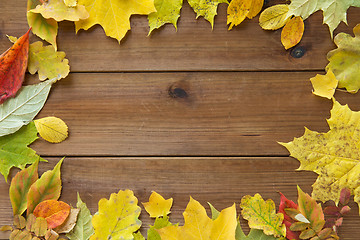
column 345, row 196
column 332, row 210
column 13, row 64
column 286, row 203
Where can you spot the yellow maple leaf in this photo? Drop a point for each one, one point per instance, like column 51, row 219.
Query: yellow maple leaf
column 198, row 226
column 292, row 32
column 274, row 17
column 334, row 156
column 117, row 217
column 238, row 10
column 52, row 129
column 324, row 85
column 113, row 15
column 157, row 205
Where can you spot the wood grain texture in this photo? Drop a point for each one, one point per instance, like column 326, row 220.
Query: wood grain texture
column 194, row 47
column 221, row 181
column 185, row 114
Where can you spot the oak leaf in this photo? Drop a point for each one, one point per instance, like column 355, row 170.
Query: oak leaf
column 52, row 129
column 117, row 217
column 333, row 155
column 14, row 151
column 47, row 187
column 13, row 65
column 19, row 187
column 324, row 85
column 238, row 10
column 198, row 226
column 261, row 215
column 44, row 28
column 58, row 10
column 292, row 32
column 334, row 10
column 83, row 228
column 274, row 17
column 345, row 60
column 206, row 9
column 113, row 15
column 167, row 11
column 55, row 212
column 157, row 205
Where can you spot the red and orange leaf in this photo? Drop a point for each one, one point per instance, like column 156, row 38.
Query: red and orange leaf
column 55, row 212
column 292, row 32
column 286, row 203
column 20, row 186
column 13, row 64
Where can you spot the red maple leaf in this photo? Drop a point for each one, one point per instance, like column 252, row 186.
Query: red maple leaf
column 286, row 203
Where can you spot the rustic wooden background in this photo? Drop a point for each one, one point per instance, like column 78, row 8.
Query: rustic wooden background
column 194, row 112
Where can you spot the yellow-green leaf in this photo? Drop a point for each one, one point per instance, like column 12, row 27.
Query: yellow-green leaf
column 47, row 62
column 117, row 217
column 237, row 12
column 70, row 3
column 324, row 85
column 333, row 155
column 274, row 17
column 262, row 215
column 157, row 205
column 113, row 15
column 52, row 129
column 198, row 226
column 206, row 8
column 167, row 11
column 57, row 10
column 345, row 60
column 292, row 32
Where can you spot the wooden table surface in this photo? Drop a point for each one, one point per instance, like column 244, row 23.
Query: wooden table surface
column 194, row 112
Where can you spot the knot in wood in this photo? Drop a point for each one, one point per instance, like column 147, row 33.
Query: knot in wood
column 298, row 52
column 177, row 92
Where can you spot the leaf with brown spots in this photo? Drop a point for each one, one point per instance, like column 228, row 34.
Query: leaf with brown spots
column 333, row 155
column 13, row 64
column 55, row 212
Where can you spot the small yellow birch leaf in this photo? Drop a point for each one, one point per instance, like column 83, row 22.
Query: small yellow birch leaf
column 237, row 12
column 292, row 32
column 324, row 85
column 198, row 226
column 256, row 6
column 274, row 17
column 57, row 10
column 117, row 217
column 157, row 205
column 52, row 129
column 70, row 3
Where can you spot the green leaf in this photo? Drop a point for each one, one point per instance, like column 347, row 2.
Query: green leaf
column 83, row 228
column 20, row 186
column 14, row 151
column 168, row 11
column 160, row 222
column 262, row 215
column 46, row 29
column 48, row 187
column 117, row 217
column 214, row 212
column 206, row 8
column 254, row 234
column 19, row 111
column 138, row 236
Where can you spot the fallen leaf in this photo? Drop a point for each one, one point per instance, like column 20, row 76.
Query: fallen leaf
column 55, row 212
column 160, row 222
column 58, row 10
column 19, row 187
column 117, row 217
column 324, row 85
column 334, row 10
column 345, row 60
column 261, row 215
column 46, row 29
column 52, row 129
column 334, row 155
column 19, row 111
column 47, row 62
column 6, row 228
column 14, row 151
column 83, row 228
column 70, row 3
column 274, row 17
column 47, row 187
column 40, row 227
column 157, row 205
column 254, row 234
column 238, row 10
column 206, row 9
column 113, row 15
column 69, row 223
column 19, row 222
column 20, row 235
column 286, row 204
column 292, row 32
column 13, row 65
column 139, row 236
column 198, row 226
column 167, row 11
column 51, row 235
column 30, row 222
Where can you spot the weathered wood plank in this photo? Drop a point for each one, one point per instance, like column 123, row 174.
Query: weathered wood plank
column 193, row 47
column 221, row 181
column 182, row 114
